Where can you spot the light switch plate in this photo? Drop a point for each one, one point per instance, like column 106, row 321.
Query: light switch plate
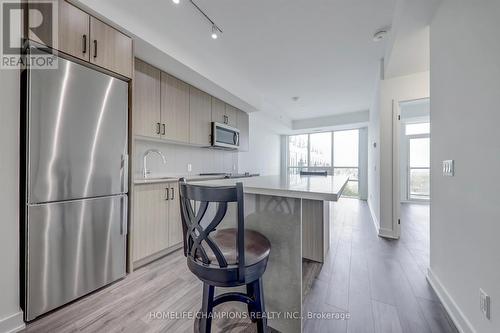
column 189, row 167
column 484, row 303
column 449, row 168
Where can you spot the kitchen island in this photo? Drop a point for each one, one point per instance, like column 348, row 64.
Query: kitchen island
column 293, row 212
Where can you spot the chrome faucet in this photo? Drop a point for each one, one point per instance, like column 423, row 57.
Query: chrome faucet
column 145, row 171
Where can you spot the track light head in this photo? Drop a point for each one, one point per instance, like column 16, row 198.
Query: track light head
column 214, row 32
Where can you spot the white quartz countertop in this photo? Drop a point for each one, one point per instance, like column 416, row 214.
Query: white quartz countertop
column 327, row 188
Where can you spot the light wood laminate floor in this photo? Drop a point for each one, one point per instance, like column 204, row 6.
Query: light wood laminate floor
column 380, row 283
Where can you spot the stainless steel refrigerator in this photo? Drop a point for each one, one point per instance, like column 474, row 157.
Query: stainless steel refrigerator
column 74, row 209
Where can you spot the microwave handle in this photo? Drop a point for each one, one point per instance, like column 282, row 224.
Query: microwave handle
column 236, row 138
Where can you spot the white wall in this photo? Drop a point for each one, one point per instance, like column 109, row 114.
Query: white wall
column 10, row 313
column 393, row 90
column 264, row 155
column 465, row 118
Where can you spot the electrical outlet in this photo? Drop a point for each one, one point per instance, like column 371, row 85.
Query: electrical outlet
column 234, row 167
column 484, row 303
column 189, row 167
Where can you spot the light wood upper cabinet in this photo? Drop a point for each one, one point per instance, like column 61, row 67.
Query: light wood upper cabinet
column 150, row 226
column 174, row 108
column 199, row 116
column 109, row 48
column 231, row 115
column 74, row 31
column 146, row 100
column 85, row 37
column 243, row 125
column 218, row 110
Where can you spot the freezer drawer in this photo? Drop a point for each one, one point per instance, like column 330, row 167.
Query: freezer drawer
column 77, row 133
column 74, row 247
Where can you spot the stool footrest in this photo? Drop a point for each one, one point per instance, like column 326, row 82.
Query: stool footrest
column 232, row 297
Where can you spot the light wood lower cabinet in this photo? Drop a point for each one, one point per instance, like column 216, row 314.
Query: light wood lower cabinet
column 157, row 226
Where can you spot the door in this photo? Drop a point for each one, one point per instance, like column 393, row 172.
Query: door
column 74, row 247
column 218, row 110
column 199, row 117
column 174, row 216
column 231, row 116
column 146, row 99
column 150, row 220
column 174, row 108
column 110, row 48
column 74, row 31
column 77, row 134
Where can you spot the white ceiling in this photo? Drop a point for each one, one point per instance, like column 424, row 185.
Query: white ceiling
column 271, row 50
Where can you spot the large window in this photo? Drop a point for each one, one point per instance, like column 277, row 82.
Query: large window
column 418, row 176
column 335, row 152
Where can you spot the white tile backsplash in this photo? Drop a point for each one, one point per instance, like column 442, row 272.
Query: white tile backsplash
column 203, row 160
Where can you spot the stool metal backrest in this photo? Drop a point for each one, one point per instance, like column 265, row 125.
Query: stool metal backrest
column 195, row 234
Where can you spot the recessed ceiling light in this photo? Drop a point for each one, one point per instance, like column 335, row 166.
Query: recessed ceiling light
column 176, row 1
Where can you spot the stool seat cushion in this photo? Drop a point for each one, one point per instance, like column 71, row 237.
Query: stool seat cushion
column 257, row 246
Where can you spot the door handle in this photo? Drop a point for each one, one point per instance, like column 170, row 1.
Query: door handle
column 95, row 48
column 167, row 194
column 164, row 130
column 158, row 128
column 84, row 39
column 125, row 173
column 172, row 196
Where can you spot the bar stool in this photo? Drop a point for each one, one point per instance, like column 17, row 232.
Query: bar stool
column 223, row 258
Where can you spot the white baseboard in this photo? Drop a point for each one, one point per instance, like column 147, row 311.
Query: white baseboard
column 387, row 233
column 461, row 322
column 12, row 323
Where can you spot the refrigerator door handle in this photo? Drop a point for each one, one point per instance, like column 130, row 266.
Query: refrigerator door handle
column 125, row 173
column 124, row 224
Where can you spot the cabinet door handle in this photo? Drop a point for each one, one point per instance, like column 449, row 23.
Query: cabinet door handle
column 95, row 48
column 172, row 196
column 167, row 194
column 84, row 40
column 158, row 128
column 164, row 130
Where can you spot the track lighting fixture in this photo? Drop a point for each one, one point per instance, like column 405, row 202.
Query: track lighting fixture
column 215, row 28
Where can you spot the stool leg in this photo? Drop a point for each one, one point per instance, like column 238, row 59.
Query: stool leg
column 251, row 306
column 207, row 308
column 261, row 309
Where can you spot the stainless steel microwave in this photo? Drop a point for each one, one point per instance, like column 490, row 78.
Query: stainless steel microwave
column 224, row 136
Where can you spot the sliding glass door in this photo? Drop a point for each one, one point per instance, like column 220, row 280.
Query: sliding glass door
column 418, row 161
